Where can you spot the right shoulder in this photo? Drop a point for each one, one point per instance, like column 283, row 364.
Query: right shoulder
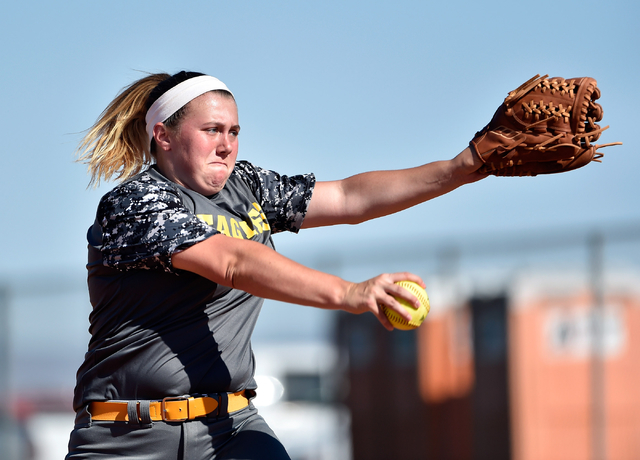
column 147, row 192
column 142, row 222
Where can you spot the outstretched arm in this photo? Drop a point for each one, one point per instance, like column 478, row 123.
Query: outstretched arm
column 379, row 193
column 261, row 271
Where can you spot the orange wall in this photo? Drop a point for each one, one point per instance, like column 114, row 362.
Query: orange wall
column 551, row 381
column 550, row 372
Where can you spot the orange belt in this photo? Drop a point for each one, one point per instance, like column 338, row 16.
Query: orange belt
column 171, row 409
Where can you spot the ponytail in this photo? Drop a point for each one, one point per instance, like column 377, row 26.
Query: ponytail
column 117, row 145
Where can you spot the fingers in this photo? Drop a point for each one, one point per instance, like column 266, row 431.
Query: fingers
column 391, row 292
column 381, row 292
column 383, row 319
column 392, row 302
column 405, row 276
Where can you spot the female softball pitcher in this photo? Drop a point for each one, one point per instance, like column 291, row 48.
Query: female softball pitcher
column 181, row 258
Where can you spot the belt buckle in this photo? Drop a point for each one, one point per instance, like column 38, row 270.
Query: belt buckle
column 164, row 411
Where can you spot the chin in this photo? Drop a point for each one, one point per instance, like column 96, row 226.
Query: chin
column 212, row 188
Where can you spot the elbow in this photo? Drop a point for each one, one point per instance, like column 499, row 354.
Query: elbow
column 229, row 277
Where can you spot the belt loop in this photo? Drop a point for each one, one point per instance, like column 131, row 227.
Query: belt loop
column 132, row 412
column 145, row 414
column 223, row 403
column 85, row 410
column 215, row 413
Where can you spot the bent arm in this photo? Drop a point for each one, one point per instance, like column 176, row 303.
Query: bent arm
column 261, row 271
column 379, row 193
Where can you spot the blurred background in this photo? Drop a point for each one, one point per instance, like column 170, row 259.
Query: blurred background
column 531, row 348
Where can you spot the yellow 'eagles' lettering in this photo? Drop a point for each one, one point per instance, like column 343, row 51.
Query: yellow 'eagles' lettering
column 265, row 222
column 235, row 229
column 223, row 226
column 244, row 229
column 257, row 222
column 206, row 218
column 247, row 230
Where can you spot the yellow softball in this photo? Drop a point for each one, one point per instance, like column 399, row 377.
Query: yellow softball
column 417, row 314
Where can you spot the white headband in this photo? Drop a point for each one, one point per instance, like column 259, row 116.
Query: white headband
column 179, row 96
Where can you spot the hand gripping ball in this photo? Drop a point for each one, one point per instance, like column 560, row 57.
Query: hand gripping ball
column 417, row 314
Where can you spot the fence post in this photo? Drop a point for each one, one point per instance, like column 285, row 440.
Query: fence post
column 598, row 403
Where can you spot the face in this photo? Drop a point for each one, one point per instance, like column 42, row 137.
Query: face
column 201, row 152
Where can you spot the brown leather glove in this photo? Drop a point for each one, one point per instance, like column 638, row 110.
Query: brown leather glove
column 545, row 126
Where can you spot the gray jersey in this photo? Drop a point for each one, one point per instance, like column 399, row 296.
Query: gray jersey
column 157, row 331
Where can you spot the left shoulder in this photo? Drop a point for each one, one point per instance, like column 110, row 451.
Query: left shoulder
column 248, row 172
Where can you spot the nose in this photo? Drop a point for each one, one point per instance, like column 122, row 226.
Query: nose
column 225, row 146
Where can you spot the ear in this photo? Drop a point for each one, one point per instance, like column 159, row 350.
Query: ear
column 162, row 136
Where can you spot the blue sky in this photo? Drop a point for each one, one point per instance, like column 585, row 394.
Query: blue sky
column 332, row 87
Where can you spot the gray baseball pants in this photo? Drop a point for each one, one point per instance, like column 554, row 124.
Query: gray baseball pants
column 241, row 435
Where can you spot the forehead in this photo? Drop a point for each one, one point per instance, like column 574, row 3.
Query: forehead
column 220, row 106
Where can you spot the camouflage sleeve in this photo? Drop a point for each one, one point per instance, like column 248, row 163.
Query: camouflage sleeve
column 284, row 199
column 144, row 222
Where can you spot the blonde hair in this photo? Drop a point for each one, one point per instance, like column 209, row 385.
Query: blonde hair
column 117, row 145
